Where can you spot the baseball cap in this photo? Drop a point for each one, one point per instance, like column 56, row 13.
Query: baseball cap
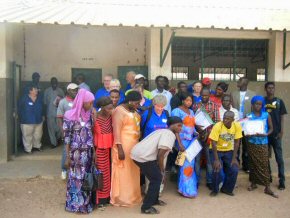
column 72, row 86
column 139, row 76
column 206, row 81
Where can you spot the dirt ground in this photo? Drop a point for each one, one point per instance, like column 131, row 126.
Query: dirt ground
column 38, row 197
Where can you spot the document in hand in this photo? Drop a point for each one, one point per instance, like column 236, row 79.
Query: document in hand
column 252, row 127
column 193, row 150
column 202, row 119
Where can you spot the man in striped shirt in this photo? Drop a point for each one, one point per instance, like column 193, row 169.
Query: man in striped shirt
column 212, row 110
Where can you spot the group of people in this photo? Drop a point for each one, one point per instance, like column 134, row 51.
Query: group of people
column 133, row 137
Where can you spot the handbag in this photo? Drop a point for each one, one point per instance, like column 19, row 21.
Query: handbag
column 180, row 158
column 93, row 180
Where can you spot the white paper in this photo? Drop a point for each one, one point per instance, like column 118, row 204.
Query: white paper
column 202, row 120
column 193, row 150
column 252, row 127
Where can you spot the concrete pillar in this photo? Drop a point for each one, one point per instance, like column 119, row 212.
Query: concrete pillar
column 154, row 53
column 6, row 95
column 276, row 71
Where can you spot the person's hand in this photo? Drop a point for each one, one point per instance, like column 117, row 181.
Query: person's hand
column 67, row 162
column 280, row 135
column 181, row 148
column 217, row 166
column 121, row 154
column 235, row 162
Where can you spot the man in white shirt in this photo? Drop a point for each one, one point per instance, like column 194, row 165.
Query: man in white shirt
column 227, row 106
column 160, row 84
column 151, row 160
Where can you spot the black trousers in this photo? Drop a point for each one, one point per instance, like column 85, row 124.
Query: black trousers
column 245, row 156
column 152, row 171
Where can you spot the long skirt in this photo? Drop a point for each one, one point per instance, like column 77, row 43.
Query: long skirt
column 187, row 181
column 77, row 200
column 259, row 164
column 104, row 165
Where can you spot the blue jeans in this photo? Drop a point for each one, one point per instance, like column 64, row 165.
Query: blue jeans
column 208, row 165
column 230, row 172
column 276, row 144
column 63, row 159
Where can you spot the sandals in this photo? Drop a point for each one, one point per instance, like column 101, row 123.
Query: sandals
column 271, row 193
column 151, row 210
column 160, row 203
column 252, row 188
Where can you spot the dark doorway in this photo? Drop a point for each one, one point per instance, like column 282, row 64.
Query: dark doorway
column 93, row 77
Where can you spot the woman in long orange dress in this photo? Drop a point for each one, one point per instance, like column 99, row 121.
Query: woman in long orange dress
column 125, row 188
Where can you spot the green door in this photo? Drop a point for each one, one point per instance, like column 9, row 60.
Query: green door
column 93, row 77
column 123, row 70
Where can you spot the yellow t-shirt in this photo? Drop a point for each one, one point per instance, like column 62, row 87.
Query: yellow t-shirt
column 225, row 137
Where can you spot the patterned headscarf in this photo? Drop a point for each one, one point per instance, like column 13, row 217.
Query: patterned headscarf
column 77, row 110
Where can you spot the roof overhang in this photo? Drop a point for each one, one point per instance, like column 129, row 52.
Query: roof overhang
column 224, row 14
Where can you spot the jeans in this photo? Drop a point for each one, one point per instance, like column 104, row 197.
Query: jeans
column 208, row 165
column 63, row 158
column 276, row 144
column 230, row 172
column 152, row 171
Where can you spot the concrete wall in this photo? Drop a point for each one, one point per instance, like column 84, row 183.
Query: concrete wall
column 53, row 50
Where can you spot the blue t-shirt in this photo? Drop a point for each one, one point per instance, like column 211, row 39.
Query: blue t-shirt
column 30, row 112
column 155, row 122
column 196, row 99
column 259, row 140
column 102, row 92
column 128, row 87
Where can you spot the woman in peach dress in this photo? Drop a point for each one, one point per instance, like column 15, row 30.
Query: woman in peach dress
column 125, row 190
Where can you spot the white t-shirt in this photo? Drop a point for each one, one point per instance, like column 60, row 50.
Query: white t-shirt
column 242, row 103
column 147, row 149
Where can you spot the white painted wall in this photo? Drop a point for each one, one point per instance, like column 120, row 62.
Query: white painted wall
column 53, row 50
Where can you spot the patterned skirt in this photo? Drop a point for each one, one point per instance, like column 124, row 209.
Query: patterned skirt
column 259, row 164
column 104, row 165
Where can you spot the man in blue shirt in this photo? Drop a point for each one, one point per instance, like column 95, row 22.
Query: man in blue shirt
column 104, row 91
column 31, row 118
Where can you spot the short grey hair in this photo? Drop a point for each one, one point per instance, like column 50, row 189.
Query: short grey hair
column 159, row 99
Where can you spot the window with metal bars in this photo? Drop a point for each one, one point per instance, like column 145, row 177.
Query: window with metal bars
column 219, row 59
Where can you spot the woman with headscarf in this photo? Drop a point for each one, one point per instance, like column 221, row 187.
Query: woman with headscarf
column 258, row 148
column 187, row 181
column 125, row 190
column 103, row 140
column 220, row 90
column 78, row 138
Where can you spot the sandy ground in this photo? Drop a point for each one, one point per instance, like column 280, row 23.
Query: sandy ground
column 38, row 197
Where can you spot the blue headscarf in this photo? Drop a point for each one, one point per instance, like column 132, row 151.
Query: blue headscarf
column 259, row 98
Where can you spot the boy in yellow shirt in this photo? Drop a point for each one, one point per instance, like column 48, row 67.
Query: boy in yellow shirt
column 225, row 138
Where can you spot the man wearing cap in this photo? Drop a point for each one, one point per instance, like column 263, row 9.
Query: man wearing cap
column 151, row 161
column 160, row 90
column 64, row 105
column 52, row 96
column 241, row 99
column 104, row 91
column 140, row 79
column 206, row 82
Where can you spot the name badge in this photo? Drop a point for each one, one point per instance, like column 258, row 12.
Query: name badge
column 70, row 104
column 30, row 103
column 164, row 120
column 247, row 98
column 225, row 145
column 83, row 123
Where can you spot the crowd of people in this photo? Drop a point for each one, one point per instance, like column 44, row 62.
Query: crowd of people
column 134, row 136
